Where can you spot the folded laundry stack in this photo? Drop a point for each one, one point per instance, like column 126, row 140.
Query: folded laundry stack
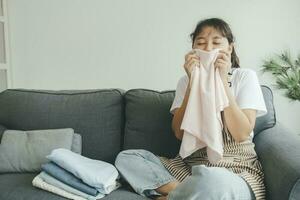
column 76, row 177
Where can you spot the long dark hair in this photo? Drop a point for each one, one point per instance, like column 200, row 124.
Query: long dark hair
column 221, row 26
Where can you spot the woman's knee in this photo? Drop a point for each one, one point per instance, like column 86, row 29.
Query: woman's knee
column 221, row 178
column 123, row 157
column 213, row 183
column 130, row 155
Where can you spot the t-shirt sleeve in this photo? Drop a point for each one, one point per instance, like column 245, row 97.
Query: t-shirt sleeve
column 179, row 94
column 250, row 95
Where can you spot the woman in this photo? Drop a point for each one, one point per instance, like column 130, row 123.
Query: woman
column 239, row 174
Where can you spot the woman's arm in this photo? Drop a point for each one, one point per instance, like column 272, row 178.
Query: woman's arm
column 240, row 122
column 191, row 61
column 178, row 115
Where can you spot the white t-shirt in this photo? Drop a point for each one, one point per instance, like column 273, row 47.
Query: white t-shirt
column 245, row 88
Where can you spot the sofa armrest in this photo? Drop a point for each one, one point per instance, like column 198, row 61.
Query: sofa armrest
column 279, row 153
column 2, row 129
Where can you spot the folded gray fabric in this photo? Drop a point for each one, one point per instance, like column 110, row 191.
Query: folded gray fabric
column 68, row 178
column 25, row 151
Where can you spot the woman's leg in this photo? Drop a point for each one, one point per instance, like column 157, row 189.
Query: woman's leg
column 144, row 172
column 212, row 183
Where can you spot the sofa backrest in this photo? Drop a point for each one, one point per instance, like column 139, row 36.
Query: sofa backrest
column 108, row 120
column 148, row 120
column 98, row 115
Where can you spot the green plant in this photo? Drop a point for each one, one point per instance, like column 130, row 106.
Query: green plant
column 286, row 73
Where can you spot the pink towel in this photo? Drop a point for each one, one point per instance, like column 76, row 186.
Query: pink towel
column 202, row 123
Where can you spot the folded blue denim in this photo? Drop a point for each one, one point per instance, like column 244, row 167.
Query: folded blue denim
column 96, row 173
column 57, row 183
column 144, row 172
column 68, row 178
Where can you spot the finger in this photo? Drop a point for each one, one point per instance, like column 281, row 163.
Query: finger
column 192, row 62
column 225, row 52
column 223, row 56
column 193, row 57
column 190, row 67
column 189, row 54
column 228, row 54
column 218, row 66
column 220, row 63
column 222, row 60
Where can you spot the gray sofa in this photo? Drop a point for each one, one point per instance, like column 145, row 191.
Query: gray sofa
column 111, row 120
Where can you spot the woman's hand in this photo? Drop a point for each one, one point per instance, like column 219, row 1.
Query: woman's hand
column 191, row 60
column 223, row 62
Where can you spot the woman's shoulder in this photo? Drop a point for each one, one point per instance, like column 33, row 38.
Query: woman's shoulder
column 182, row 84
column 244, row 71
column 242, row 74
column 184, row 80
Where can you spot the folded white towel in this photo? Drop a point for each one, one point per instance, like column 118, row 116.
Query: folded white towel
column 202, row 123
column 96, row 173
column 40, row 183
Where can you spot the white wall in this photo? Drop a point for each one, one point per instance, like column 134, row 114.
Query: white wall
column 79, row 44
column 3, row 81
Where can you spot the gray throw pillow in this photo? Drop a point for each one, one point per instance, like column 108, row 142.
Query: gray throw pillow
column 25, row 151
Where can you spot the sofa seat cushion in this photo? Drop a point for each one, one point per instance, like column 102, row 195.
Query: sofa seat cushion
column 18, row 186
